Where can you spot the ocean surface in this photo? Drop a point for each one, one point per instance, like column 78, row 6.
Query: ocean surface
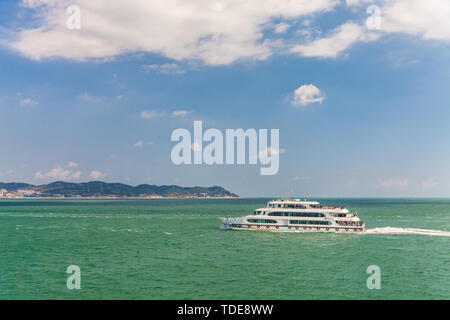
column 173, row 249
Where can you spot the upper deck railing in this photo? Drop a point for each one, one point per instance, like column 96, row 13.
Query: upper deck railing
column 302, row 206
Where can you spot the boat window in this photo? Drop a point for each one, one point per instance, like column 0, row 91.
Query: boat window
column 261, row 221
column 297, row 214
column 309, row 222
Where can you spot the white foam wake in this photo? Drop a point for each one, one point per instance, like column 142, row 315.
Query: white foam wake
column 392, row 230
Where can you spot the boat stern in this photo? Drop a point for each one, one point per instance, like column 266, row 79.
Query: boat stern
column 229, row 223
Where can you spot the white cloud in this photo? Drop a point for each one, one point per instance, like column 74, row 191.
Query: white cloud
column 429, row 183
column 215, row 33
column 97, row 174
column 150, row 114
column 307, row 94
column 309, row 33
column 167, row 68
column 281, row 27
column 429, row 19
column 71, row 164
column 393, row 183
column 339, row 40
column 180, row 113
column 58, row 173
column 351, row 3
column 88, row 98
column 27, row 102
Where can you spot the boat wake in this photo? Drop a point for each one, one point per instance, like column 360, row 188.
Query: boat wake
column 392, row 230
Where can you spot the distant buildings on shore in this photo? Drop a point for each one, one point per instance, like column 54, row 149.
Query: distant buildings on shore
column 18, row 193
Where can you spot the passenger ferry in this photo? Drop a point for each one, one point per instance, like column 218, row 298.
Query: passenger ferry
column 295, row 215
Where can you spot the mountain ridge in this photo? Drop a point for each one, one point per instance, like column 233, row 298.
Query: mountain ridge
column 112, row 189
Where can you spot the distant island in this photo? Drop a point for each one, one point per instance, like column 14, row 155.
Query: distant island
column 99, row 189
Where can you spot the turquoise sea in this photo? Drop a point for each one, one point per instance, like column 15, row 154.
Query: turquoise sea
column 173, row 249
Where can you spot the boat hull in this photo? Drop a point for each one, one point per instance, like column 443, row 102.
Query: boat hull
column 293, row 229
column 239, row 224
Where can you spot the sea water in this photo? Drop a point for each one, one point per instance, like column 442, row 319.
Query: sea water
column 173, row 249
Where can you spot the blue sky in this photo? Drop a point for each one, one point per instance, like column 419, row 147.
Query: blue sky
column 76, row 111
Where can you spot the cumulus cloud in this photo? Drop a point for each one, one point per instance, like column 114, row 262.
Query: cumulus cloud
column 215, row 33
column 429, row 19
column 336, row 42
column 426, row 19
column 59, row 173
column 97, row 174
column 393, row 183
column 307, row 94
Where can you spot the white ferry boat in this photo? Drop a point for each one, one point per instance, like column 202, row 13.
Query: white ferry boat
column 295, row 215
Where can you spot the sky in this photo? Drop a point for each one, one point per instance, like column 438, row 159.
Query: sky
column 359, row 90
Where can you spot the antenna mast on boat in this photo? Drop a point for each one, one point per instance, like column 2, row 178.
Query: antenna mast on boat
column 289, row 194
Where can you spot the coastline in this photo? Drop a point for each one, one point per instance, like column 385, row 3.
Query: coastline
column 112, row 198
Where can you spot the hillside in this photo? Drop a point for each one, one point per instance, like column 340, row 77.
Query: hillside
column 105, row 189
